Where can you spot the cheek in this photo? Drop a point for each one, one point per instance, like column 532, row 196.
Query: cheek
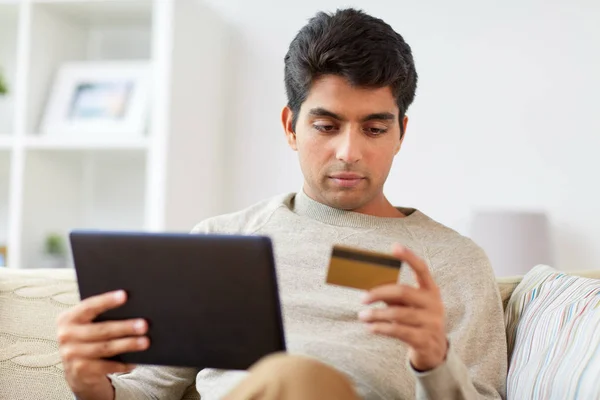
column 313, row 152
column 381, row 163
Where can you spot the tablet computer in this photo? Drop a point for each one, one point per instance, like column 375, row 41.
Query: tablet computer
column 211, row 301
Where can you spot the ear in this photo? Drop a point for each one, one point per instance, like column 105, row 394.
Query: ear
column 404, row 126
column 286, row 119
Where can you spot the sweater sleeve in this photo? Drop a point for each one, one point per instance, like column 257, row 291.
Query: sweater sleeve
column 153, row 382
column 476, row 363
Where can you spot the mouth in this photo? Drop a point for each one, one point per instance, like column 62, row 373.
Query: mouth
column 346, row 179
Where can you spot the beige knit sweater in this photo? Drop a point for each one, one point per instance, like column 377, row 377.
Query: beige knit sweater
column 321, row 320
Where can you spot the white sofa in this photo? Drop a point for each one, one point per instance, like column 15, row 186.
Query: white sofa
column 30, row 301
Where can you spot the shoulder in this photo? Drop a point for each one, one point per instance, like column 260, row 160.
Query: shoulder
column 245, row 221
column 450, row 253
column 440, row 239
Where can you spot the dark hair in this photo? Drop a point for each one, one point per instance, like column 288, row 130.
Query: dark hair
column 350, row 43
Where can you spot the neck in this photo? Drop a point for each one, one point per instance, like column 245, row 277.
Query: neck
column 304, row 205
column 380, row 207
column 377, row 207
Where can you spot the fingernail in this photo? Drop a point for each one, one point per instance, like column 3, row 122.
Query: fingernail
column 400, row 248
column 139, row 326
column 366, row 298
column 120, row 295
column 364, row 314
column 142, row 342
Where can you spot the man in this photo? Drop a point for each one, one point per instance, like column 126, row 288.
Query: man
column 440, row 334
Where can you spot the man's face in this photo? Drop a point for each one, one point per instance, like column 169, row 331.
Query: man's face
column 346, row 138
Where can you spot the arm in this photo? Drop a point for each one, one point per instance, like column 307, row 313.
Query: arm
column 85, row 345
column 101, row 391
column 453, row 325
column 144, row 382
column 476, row 362
column 156, row 382
column 153, row 382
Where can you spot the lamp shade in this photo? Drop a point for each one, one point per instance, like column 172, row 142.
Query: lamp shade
column 515, row 241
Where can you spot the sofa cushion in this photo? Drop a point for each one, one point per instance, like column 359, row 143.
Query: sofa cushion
column 30, row 302
column 30, row 366
column 506, row 288
column 506, row 285
column 553, row 332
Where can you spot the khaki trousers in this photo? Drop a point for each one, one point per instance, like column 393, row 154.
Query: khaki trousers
column 286, row 377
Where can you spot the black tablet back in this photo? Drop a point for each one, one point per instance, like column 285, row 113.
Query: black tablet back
column 211, row 300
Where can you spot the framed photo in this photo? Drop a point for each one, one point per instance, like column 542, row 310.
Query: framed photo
column 99, row 98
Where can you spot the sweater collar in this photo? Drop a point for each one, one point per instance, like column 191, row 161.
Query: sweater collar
column 303, row 205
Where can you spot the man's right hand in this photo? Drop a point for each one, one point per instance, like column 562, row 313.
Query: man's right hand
column 83, row 344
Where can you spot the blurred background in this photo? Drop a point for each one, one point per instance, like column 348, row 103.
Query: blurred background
column 157, row 114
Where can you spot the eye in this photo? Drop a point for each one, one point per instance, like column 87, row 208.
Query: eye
column 375, row 131
column 325, row 128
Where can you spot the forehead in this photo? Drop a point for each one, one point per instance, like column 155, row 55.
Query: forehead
column 336, row 94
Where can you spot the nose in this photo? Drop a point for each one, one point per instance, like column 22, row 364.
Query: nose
column 348, row 147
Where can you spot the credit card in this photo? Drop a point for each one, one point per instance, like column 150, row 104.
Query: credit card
column 361, row 269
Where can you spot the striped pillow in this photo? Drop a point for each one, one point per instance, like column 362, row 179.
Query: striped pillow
column 553, row 332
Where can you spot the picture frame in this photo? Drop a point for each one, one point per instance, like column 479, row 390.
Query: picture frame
column 106, row 99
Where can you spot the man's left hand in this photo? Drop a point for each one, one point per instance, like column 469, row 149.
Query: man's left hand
column 414, row 315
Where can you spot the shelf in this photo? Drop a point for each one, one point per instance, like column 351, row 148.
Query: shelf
column 6, row 142
column 90, row 31
column 70, row 143
column 4, row 179
column 52, row 183
column 9, row 17
column 104, row 12
column 80, row 190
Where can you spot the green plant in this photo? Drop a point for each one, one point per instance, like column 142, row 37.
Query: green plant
column 54, row 245
column 3, row 86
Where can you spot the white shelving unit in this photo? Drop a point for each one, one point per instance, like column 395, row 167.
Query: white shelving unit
column 165, row 181
column 9, row 15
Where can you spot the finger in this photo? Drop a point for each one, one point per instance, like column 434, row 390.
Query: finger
column 83, row 367
column 101, row 331
column 404, row 295
column 417, row 264
column 93, row 306
column 104, row 349
column 400, row 315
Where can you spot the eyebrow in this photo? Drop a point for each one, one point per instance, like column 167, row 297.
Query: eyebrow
column 322, row 112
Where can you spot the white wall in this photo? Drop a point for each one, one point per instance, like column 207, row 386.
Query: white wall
column 505, row 116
